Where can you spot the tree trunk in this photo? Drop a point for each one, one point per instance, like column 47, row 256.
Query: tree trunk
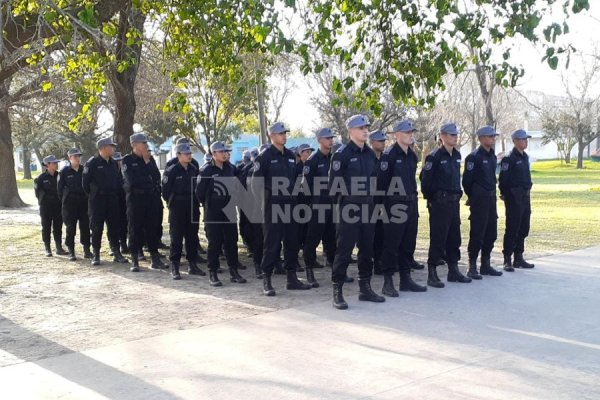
column 26, row 164
column 9, row 193
column 568, row 157
column 580, row 149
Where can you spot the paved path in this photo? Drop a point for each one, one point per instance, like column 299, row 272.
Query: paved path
column 527, row 335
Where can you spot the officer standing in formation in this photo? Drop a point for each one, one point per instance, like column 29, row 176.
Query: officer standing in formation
column 140, row 176
column 256, row 229
column 74, row 204
column 118, row 157
column 214, row 198
column 178, row 185
column 352, row 161
column 515, row 187
column 46, row 191
column 377, row 141
column 399, row 162
column 440, row 184
column 479, row 183
column 276, row 164
column 101, row 182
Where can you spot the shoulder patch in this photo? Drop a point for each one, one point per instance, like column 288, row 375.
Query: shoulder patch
column 306, row 169
column 86, row 169
column 384, row 165
column 336, row 165
column 256, row 165
column 505, row 166
column 124, row 167
column 428, row 165
column 165, row 179
column 470, row 165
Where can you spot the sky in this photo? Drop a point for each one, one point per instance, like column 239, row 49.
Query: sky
column 299, row 113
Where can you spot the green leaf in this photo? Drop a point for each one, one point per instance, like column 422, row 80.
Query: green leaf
column 46, row 86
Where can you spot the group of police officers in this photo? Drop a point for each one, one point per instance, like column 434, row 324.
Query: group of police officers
column 126, row 193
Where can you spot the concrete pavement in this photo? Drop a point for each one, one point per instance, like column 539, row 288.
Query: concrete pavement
column 531, row 334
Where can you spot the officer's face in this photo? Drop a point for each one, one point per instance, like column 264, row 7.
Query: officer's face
column 75, row 160
column 184, row 158
column 326, row 143
column 404, row 138
column 360, row 134
column 140, row 148
column 488, row 141
column 220, row 156
column 278, row 139
column 305, row 154
column 449, row 140
column 378, row 145
column 521, row 144
column 107, row 151
column 52, row 167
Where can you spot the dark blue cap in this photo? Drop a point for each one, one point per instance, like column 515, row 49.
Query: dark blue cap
column 377, row 136
column 293, row 149
column 73, row 152
column 357, row 121
column 520, row 134
column 183, row 148
column 50, row 159
column 278, row 127
column 486, row 131
column 117, row 156
column 138, row 138
column 253, row 153
column 207, row 157
column 182, row 139
column 304, row 147
column 449, row 128
column 324, row 133
column 218, row 146
column 105, row 142
column 246, row 156
column 404, row 126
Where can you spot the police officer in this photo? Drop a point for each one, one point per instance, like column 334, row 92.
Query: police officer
column 479, row 183
column 214, row 197
column 303, row 151
column 140, row 175
column 101, row 182
column 277, row 164
column 352, row 166
column 256, row 230
column 178, row 183
column 175, row 160
column 118, row 157
column 74, row 204
column 440, row 184
column 399, row 164
column 515, row 189
column 377, row 140
column 321, row 226
column 46, row 191
column 241, row 171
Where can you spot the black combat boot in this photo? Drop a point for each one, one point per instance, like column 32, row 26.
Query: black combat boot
column 240, row 266
column 366, row 293
column 72, row 253
column 310, row 277
column 87, row 253
column 293, row 283
column 96, row 257
column 267, row 286
column 118, row 257
column 175, row 270
column 408, row 285
column 124, row 247
column 338, row 296
column 213, row 278
column 59, row 249
column 258, row 273
column 432, row 279
column 135, row 267
column 454, row 274
column 472, row 272
column 316, row 264
column 388, row 286
column 486, row 267
column 235, row 276
column 48, row 249
column 194, row 270
column 416, row 265
column 156, row 262
column 508, row 264
column 519, row 261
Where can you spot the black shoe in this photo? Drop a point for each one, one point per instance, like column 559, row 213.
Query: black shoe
column 338, row 297
column 241, row 266
column 124, row 248
column 472, row 272
column 213, row 278
column 388, row 286
column 267, row 287
column 135, row 267
column 118, row 257
column 408, row 285
column 519, row 262
column 258, row 273
column 508, row 267
column 348, row 279
column 454, row 275
column 293, row 283
column 487, row 269
column 48, row 250
column 156, row 262
column 416, row 265
column 432, row 279
column 59, row 250
column 194, row 270
column 235, row 276
column 96, row 257
column 72, row 253
column 175, row 271
column 87, row 253
column 310, row 277
column 366, row 293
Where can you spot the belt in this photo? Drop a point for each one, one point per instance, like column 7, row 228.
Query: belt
column 409, row 197
column 446, row 196
column 106, row 192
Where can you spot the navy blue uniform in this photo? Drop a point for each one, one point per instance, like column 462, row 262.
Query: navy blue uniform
column 440, row 185
column 101, row 182
column 270, row 165
column 74, row 205
column 241, row 171
column 46, row 191
column 348, row 163
column 399, row 239
column 142, row 196
column 479, row 184
column 315, row 176
column 515, row 187
column 256, row 229
column 178, row 184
